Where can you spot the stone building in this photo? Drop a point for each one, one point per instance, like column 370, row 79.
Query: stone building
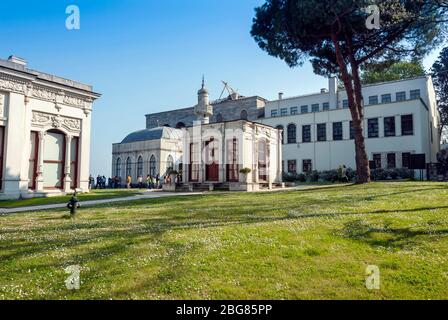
column 44, row 132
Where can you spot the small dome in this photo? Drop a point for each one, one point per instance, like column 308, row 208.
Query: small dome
column 153, row 134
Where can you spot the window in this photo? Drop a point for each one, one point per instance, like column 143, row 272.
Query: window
column 373, row 131
column 284, row 112
column 244, row 115
column 32, row 168
column 128, row 167
column 326, row 106
column 322, row 132
column 280, row 127
column 292, row 166
column 232, row 160
column 345, row 104
column 307, row 165
column 140, row 167
column 386, row 98
column 315, row 108
column 306, row 133
column 194, row 162
column 401, row 96
column 407, row 125
column 152, row 166
column 292, row 133
column 54, row 158
column 352, row 131
column 181, row 125
column 373, row 100
column 391, row 161
column 74, row 162
column 169, row 164
column 118, row 168
column 337, row 131
column 389, row 127
column 377, row 160
column 274, row 113
column 294, row 111
column 406, row 160
column 2, row 143
column 415, row 94
column 304, row 109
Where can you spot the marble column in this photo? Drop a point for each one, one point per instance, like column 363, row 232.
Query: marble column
column 40, row 162
column 68, row 160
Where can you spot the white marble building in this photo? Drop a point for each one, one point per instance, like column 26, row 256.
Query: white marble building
column 44, row 132
column 401, row 118
column 206, row 154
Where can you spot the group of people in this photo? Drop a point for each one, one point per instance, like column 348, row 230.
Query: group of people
column 153, row 182
column 103, row 183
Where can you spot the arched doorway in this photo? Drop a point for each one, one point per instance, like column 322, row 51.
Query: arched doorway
column 169, row 164
column 152, row 166
column 212, row 160
column 54, row 160
column 118, row 168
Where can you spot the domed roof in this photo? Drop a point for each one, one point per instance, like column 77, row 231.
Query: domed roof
column 153, row 134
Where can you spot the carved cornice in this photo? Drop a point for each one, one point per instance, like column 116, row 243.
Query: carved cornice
column 47, row 120
column 37, row 91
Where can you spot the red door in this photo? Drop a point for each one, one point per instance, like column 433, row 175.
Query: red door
column 212, row 162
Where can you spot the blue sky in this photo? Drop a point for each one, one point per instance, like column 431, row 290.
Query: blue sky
column 147, row 56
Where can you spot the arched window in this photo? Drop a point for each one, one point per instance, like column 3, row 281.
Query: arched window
column 219, row 118
column 169, row 164
column 280, row 127
column 118, row 168
column 244, row 115
column 180, row 125
column 128, row 167
column 292, row 133
column 140, row 167
column 152, row 166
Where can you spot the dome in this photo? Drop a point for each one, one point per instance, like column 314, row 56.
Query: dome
column 153, row 134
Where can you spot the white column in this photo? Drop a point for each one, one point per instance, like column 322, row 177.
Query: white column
column 84, row 154
column 68, row 162
column 40, row 162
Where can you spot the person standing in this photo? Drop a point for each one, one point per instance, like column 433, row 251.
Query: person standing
column 157, row 181
column 91, row 182
column 128, row 182
column 140, row 182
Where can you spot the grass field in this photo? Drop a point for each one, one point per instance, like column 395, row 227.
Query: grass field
column 93, row 195
column 308, row 244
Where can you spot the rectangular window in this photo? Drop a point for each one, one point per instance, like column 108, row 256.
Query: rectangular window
column 389, row 127
column 74, row 162
column 373, row 100
column 352, row 131
column 232, row 160
column 373, row 130
column 322, row 132
column 401, row 96
column 32, row 167
column 306, row 133
column 337, row 131
column 377, row 160
column 326, row 106
column 292, row 166
column 195, row 157
column 345, row 104
column 386, row 98
column 406, row 160
column 274, row 113
column 304, row 109
column 284, row 112
column 415, row 94
column 407, row 125
column 307, row 165
column 391, row 161
column 315, row 108
column 294, row 111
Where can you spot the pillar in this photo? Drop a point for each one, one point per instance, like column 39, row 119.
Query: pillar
column 40, row 162
column 68, row 160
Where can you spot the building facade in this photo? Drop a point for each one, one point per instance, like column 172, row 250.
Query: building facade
column 401, row 119
column 44, row 132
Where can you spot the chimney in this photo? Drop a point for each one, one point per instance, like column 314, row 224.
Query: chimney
column 17, row 60
column 280, row 96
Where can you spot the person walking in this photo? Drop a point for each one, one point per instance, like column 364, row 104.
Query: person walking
column 157, row 181
column 140, row 182
column 91, row 182
column 128, row 182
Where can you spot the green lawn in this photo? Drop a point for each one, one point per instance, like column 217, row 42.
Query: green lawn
column 93, row 195
column 307, row 244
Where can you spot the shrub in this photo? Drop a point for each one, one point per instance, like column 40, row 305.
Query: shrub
column 245, row 171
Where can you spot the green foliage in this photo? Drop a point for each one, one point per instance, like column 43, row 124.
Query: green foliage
column 380, row 72
column 245, row 171
column 440, row 77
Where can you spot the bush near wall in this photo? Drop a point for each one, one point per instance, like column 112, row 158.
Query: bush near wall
column 333, row 176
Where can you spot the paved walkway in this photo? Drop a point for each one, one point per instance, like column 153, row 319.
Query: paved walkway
column 142, row 196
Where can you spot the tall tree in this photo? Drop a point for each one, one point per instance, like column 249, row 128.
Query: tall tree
column 338, row 40
column 439, row 73
column 380, row 72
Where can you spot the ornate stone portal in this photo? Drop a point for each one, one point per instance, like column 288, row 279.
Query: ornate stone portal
column 44, row 132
